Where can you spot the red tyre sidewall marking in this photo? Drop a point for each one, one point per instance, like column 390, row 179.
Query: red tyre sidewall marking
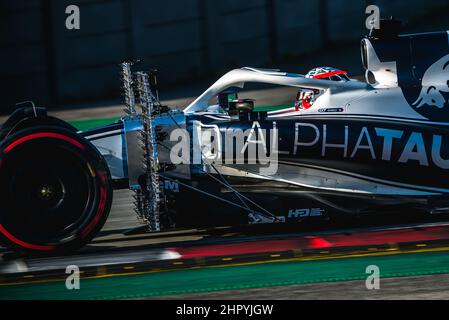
column 101, row 206
column 44, row 135
column 8, row 149
column 23, row 243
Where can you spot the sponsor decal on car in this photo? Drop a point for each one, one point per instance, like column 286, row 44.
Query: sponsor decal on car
column 306, row 212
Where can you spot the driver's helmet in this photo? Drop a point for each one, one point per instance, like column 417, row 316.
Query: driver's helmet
column 328, row 73
column 306, row 97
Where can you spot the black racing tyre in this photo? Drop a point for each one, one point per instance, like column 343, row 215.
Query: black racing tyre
column 55, row 190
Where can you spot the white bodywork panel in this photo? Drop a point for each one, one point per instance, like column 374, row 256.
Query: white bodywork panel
column 113, row 150
column 385, row 72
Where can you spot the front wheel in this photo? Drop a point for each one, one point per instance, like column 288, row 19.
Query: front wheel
column 55, row 190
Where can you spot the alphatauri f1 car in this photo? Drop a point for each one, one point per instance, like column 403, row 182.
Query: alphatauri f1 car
column 346, row 147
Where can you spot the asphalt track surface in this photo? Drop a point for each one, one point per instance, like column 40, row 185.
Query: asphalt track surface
column 434, row 287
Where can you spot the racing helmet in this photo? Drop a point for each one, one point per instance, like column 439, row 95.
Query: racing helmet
column 328, row 73
column 306, row 97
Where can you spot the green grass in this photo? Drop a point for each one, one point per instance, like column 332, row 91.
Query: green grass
column 84, row 125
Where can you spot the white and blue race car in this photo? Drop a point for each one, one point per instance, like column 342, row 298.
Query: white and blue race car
column 346, row 147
